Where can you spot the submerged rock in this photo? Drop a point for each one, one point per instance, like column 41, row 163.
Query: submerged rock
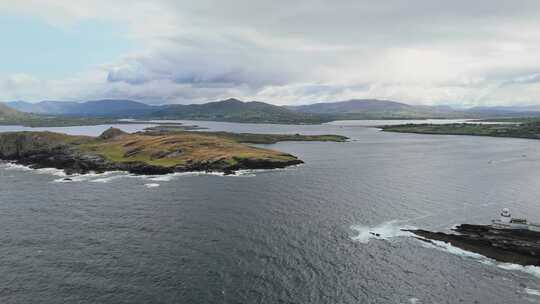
column 505, row 245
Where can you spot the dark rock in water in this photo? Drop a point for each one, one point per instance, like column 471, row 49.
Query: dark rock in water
column 67, row 179
column 504, row 245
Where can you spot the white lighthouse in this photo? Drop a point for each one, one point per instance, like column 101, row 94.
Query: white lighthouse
column 507, row 222
column 505, row 216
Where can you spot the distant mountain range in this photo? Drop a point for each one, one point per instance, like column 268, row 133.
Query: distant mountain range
column 376, row 109
column 505, row 109
column 234, row 110
column 10, row 114
column 98, row 108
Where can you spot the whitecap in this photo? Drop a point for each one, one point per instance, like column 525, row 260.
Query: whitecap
column 393, row 229
column 14, row 166
column 151, row 185
column 18, row 167
column 70, row 179
column 105, row 180
column 50, row 171
column 532, row 270
column 163, row 178
column 532, row 292
column 447, row 247
column 454, row 250
column 384, row 231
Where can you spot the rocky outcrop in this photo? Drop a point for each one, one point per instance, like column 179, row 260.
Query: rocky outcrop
column 504, row 245
column 111, row 133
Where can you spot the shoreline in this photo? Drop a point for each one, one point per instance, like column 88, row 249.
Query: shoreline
column 155, row 152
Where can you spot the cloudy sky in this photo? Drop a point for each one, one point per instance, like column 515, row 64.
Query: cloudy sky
column 463, row 53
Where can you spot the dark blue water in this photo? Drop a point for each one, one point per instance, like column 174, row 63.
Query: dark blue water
column 297, row 235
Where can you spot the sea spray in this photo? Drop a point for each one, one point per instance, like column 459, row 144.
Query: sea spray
column 384, row 231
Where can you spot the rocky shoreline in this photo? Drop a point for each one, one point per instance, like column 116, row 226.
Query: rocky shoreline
column 141, row 154
column 504, row 245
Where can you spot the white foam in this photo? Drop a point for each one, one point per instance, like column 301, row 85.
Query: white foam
column 105, row 180
column 50, row 171
column 393, row 229
column 414, row 301
column 171, row 176
column 384, row 231
column 151, row 185
column 455, row 250
column 120, row 174
column 14, row 166
column 70, row 179
column 532, row 292
column 447, row 247
column 246, row 173
column 532, row 270
column 83, row 177
column 162, row 178
column 18, row 167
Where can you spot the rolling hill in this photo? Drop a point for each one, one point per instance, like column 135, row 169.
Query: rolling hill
column 377, row 109
column 234, row 110
column 95, row 108
column 8, row 114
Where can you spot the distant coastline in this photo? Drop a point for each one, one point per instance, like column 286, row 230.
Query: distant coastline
column 529, row 129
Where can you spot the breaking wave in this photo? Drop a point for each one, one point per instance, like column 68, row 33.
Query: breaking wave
column 393, row 229
column 17, row 167
column 532, row 292
column 384, row 231
column 106, row 176
column 447, row 247
column 14, row 166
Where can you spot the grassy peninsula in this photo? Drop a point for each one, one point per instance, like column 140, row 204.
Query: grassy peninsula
column 251, row 138
column 529, row 129
column 141, row 153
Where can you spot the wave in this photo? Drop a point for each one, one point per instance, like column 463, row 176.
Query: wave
column 91, row 177
column 532, row 292
column 14, row 166
column 107, row 179
column 453, row 250
column 51, row 171
column 532, row 270
column 384, row 231
column 18, row 167
column 151, row 185
column 393, row 229
column 449, row 248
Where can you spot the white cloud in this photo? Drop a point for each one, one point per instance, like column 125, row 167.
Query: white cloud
column 425, row 52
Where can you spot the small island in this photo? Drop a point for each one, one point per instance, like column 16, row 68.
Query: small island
column 527, row 129
column 151, row 152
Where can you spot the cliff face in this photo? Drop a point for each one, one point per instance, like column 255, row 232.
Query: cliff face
column 46, row 149
column 22, row 144
column 138, row 153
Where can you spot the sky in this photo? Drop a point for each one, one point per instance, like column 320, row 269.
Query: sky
column 428, row 52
